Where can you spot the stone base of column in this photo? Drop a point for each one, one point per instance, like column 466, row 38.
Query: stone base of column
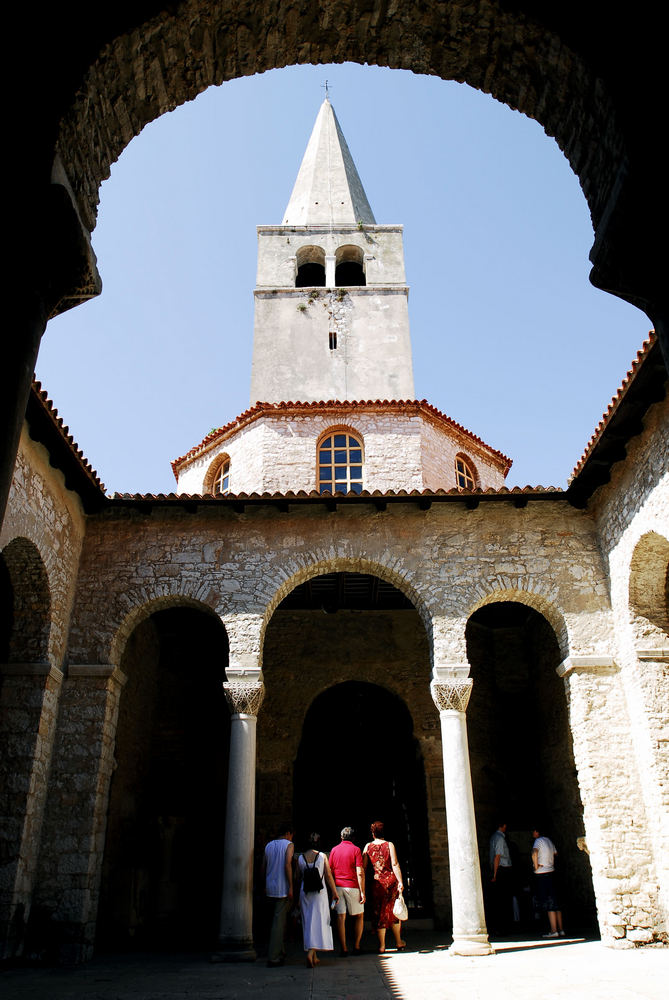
column 472, row 945
column 235, row 951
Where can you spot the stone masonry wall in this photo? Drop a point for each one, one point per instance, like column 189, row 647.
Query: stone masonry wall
column 623, row 866
column 41, row 509
column 447, row 559
column 438, row 454
column 67, row 885
column 401, row 451
column 632, row 519
column 41, row 539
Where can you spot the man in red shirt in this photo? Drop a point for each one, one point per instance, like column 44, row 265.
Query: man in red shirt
column 348, row 873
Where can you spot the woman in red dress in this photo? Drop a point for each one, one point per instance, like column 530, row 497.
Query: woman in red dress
column 387, row 884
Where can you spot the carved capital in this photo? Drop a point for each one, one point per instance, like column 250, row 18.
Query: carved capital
column 452, row 695
column 244, row 699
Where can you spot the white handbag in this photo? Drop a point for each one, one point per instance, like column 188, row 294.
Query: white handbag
column 400, row 908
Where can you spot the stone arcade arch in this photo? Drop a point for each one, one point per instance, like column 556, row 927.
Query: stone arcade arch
column 649, row 590
column 521, row 750
column 29, row 689
column 358, row 761
column 352, row 636
column 163, row 862
column 25, row 619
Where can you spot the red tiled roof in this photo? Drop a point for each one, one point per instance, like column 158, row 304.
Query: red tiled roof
column 403, row 405
column 454, row 493
column 40, row 397
column 616, row 400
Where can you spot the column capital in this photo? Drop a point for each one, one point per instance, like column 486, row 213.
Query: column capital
column 244, row 698
column 452, row 694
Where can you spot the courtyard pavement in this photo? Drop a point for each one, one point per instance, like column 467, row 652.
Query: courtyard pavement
column 520, row 969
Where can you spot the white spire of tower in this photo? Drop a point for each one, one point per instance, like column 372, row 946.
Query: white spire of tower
column 328, row 189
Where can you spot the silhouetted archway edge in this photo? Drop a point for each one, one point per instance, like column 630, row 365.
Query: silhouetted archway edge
column 142, row 610
column 348, row 564
column 538, row 602
column 172, row 57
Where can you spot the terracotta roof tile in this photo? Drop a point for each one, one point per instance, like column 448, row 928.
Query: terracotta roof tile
column 403, row 405
column 490, row 492
column 41, row 397
column 616, row 400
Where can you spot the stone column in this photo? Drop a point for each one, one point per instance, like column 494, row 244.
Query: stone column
column 330, row 265
column 470, row 935
column 236, row 932
column 28, row 709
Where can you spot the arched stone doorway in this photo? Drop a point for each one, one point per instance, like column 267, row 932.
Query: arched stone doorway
column 29, row 691
column 522, row 761
column 373, row 770
column 348, row 731
column 163, row 862
column 25, row 604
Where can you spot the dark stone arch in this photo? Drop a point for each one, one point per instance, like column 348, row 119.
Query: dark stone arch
column 358, row 761
column 549, row 64
column 162, row 870
column 523, row 768
column 339, row 637
column 25, row 614
column 93, row 86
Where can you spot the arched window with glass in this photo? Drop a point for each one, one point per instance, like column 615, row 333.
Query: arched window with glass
column 340, row 461
column 465, row 473
column 220, row 480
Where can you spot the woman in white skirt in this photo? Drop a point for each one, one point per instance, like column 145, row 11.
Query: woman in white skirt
column 314, row 905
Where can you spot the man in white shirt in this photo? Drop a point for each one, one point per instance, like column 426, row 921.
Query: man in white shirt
column 277, row 870
column 543, row 860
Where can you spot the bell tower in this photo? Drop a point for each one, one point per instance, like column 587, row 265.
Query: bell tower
column 331, row 299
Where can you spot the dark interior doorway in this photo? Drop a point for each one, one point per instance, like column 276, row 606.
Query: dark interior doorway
column 358, row 761
column 522, row 761
column 163, row 862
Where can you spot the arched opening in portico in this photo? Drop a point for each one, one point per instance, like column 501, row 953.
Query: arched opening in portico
column 348, row 726
column 649, row 590
column 358, row 761
column 522, row 762
column 25, row 604
column 163, row 862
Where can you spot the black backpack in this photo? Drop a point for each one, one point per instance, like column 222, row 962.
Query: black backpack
column 311, row 878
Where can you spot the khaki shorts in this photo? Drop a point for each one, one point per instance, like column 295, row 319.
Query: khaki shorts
column 349, row 899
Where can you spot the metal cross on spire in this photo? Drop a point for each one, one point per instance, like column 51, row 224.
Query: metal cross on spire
column 326, row 87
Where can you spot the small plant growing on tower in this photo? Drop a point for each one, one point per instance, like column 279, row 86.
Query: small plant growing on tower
column 302, row 307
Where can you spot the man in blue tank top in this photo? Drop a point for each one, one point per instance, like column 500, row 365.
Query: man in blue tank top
column 277, row 870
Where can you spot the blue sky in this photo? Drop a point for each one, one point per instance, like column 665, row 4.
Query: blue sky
column 509, row 337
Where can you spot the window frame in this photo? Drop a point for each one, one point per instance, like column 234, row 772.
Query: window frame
column 348, row 481
column 470, row 472
column 214, row 474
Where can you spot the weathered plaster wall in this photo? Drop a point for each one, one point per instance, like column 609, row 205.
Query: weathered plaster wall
column 382, row 247
column 292, row 356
